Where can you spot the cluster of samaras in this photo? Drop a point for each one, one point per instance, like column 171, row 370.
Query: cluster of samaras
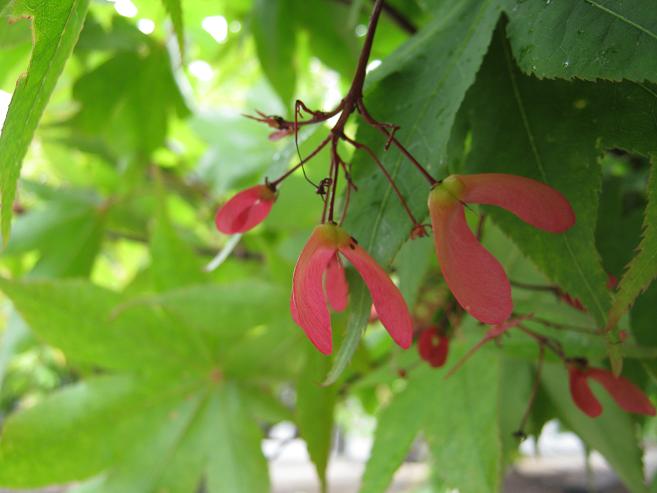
column 476, row 279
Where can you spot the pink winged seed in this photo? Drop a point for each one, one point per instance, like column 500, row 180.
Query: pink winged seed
column 245, row 210
column 582, row 394
column 335, row 282
column 308, row 302
column 474, row 276
column 532, row 201
column 386, row 297
column 628, row 396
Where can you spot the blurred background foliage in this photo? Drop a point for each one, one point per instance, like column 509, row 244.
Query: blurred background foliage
column 142, row 351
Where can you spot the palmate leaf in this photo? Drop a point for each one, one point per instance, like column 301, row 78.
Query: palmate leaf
column 56, row 27
column 554, row 131
column 420, row 87
column 465, row 405
column 587, row 39
column 642, row 269
column 67, row 231
column 166, row 391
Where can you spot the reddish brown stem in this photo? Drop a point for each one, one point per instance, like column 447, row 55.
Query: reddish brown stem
column 534, row 392
column 321, row 146
column 390, row 134
column 381, row 167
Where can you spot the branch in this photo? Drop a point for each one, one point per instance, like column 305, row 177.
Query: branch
column 395, row 15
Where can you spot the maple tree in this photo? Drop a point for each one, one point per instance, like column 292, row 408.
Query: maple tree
column 162, row 164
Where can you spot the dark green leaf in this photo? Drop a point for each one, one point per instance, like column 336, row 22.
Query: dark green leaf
column 588, row 39
column 116, row 96
column 57, row 25
column 525, row 126
column 642, row 269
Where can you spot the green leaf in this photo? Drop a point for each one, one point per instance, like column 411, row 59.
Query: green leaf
column 174, row 7
column 642, row 269
column 98, row 327
column 315, row 406
column 237, row 466
column 331, row 39
column 588, row 39
column 112, row 425
column 56, row 25
column 464, row 406
column 360, row 306
column 174, row 396
column 613, row 433
column 128, row 100
column 524, row 126
column 174, row 263
column 67, row 231
column 420, row 87
column 274, row 34
column 32, row 452
column 398, row 425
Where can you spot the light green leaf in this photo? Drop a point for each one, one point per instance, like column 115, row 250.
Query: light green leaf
column 419, row 87
column 397, row 427
column 613, row 433
column 524, row 126
column 32, row 452
column 67, row 232
column 642, row 269
column 315, row 406
column 237, row 466
column 587, row 39
column 173, row 262
column 273, row 30
column 98, row 327
column 174, row 7
column 56, row 26
column 467, row 406
column 463, row 406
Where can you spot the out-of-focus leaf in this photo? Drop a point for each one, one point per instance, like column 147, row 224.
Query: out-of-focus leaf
column 67, row 231
column 613, row 433
column 331, row 39
column 174, row 263
column 315, row 407
column 420, row 87
column 128, row 101
column 275, row 37
column 56, row 26
column 32, row 449
column 95, row 326
column 14, row 334
column 174, row 7
column 176, row 396
column 589, row 39
column 525, row 126
column 238, row 466
column 642, row 269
